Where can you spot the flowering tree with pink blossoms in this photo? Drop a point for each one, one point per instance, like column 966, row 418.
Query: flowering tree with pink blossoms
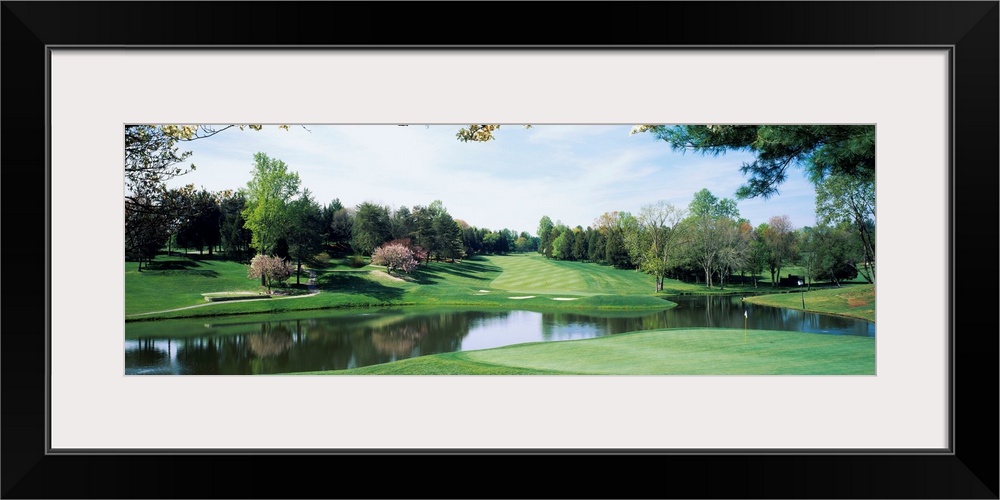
column 394, row 255
column 270, row 269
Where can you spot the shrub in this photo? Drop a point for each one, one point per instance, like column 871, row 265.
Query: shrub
column 322, row 259
column 356, row 261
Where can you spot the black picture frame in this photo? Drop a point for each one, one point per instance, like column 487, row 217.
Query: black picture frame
column 970, row 29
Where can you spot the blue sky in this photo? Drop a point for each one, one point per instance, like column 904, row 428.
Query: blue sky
column 572, row 173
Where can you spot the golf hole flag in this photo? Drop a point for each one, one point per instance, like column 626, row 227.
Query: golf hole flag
column 745, row 314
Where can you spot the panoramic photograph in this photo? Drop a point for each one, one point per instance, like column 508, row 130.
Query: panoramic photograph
column 499, row 249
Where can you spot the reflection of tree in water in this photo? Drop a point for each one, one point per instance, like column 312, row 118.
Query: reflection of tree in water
column 562, row 325
column 272, row 341
column 148, row 354
column 408, row 336
column 721, row 312
column 331, row 343
column 712, row 311
column 233, row 357
column 399, row 341
column 199, row 355
column 727, row 312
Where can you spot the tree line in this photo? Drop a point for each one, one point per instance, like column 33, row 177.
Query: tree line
column 709, row 242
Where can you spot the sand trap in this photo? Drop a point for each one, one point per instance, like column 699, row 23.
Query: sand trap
column 525, row 297
column 484, row 291
column 565, row 298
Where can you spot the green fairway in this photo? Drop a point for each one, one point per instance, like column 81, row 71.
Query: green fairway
column 535, row 274
column 174, row 287
column 699, row 351
column 856, row 301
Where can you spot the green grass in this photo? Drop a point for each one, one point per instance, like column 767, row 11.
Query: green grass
column 172, row 282
column 536, row 274
column 856, row 301
column 497, row 281
column 675, row 287
column 698, row 351
column 452, row 363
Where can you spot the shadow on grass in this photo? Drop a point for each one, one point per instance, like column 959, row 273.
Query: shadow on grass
column 171, row 265
column 423, row 275
column 178, row 268
column 204, row 273
column 479, row 267
column 434, row 272
column 466, row 269
column 195, row 257
column 355, row 283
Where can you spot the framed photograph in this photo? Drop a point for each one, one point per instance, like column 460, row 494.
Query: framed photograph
column 926, row 89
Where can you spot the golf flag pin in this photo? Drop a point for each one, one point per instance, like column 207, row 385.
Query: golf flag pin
column 745, row 313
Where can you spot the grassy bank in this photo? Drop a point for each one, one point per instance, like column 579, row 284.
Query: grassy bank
column 699, row 351
column 171, row 282
column 174, row 287
column 742, row 284
column 855, row 301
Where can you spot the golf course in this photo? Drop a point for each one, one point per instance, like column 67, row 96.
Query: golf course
column 174, row 287
column 558, row 249
column 183, row 290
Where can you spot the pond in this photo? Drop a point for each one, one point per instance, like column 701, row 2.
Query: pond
column 347, row 339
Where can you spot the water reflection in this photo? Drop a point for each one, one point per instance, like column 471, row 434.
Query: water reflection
column 350, row 339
